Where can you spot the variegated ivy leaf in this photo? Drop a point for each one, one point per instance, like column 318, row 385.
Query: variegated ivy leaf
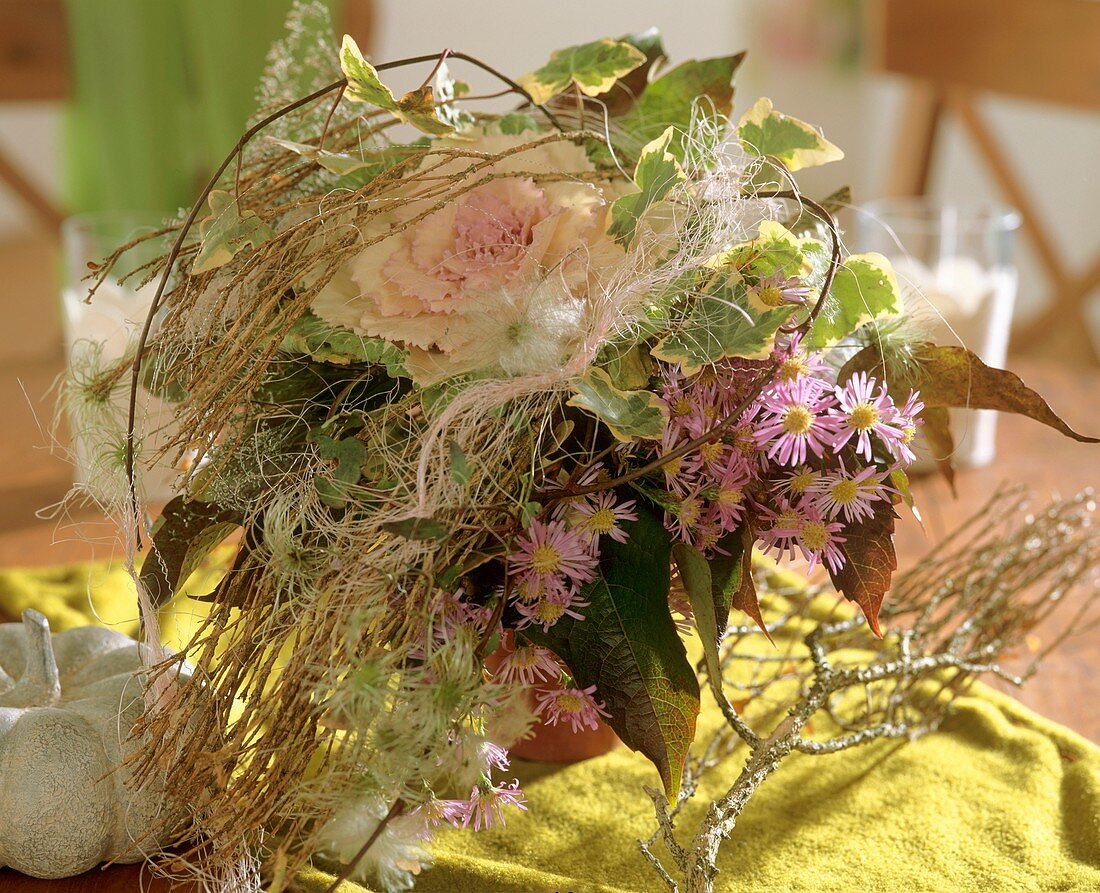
column 416, row 107
column 226, row 231
column 764, row 131
column 447, row 90
column 325, row 343
column 630, row 415
column 657, row 173
column 671, row 99
column 337, row 162
column 592, row 67
column 775, row 249
column 721, row 324
column 865, row 289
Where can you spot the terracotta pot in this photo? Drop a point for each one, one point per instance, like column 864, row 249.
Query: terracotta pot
column 558, row 743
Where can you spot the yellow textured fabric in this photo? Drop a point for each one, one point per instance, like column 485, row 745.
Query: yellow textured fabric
column 1000, row 799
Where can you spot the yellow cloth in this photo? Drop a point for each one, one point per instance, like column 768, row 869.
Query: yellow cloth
column 1000, row 799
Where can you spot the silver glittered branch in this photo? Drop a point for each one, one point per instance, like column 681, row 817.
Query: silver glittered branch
column 830, row 685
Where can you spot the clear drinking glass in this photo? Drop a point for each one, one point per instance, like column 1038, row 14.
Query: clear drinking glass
column 956, row 271
column 105, row 326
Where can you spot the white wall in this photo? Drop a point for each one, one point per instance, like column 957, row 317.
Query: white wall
column 1059, row 148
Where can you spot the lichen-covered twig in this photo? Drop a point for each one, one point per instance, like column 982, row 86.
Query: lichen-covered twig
column 956, row 615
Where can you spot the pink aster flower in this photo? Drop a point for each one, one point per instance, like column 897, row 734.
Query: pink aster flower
column 708, row 533
column 863, row 412
column 575, row 706
column 780, row 527
column 818, row 539
column 550, row 550
column 849, row 494
column 682, row 518
column 601, row 514
column 777, row 290
column 451, row 812
column 495, row 756
column 528, row 664
column 487, row 802
column 531, row 587
column 797, row 482
column 549, row 609
column 796, row 362
column 907, row 420
column 681, row 477
column 795, row 418
column 728, row 502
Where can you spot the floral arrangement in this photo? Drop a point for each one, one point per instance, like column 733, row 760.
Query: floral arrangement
column 532, row 382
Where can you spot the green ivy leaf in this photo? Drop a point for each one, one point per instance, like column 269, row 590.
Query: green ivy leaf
column 865, row 289
column 325, row 343
column 721, row 325
column 670, row 99
column 657, row 173
column 417, row 529
column 186, row 533
column 764, row 131
column 631, row 85
column 630, row 415
column 336, row 162
column 416, row 107
column 447, row 90
column 350, row 455
column 775, row 249
column 628, row 647
column 592, row 67
column 226, row 231
column 628, row 365
column 461, row 469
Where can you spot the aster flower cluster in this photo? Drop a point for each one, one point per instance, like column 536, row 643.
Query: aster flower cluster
column 806, row 459
column 556, row 557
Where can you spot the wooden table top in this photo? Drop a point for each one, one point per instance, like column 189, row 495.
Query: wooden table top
column 1067, row 689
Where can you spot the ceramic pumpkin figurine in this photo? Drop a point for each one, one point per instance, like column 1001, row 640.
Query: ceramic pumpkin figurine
column 67, row 707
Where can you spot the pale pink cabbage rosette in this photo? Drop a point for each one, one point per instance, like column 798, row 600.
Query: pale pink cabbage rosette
column 498, row 279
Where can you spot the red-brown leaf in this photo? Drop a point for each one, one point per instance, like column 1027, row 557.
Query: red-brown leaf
column 870, row 562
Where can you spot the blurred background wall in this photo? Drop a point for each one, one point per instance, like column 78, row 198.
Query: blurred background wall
column 805, row 54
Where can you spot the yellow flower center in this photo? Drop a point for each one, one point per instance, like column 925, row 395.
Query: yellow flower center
column 689, row 511
column 797, row 419
column 743, row 441
column 769, row 296
column 908, row 433
column 569, row 703
column 863, row 417
column 800, row 482
column 549, row 612
column 681, row 405
column 601, row 521
column 730, row 496
column 788, row 521
column 712, row 451
column 844, row 491
column 814, row 536
column 674, row 466
column 708, row 538
column 792, row 367
column 545, row 560
column 525, row 656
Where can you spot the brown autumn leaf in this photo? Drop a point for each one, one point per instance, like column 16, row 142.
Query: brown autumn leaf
column 937, row 432
column 957, row 377
column 869, row 562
